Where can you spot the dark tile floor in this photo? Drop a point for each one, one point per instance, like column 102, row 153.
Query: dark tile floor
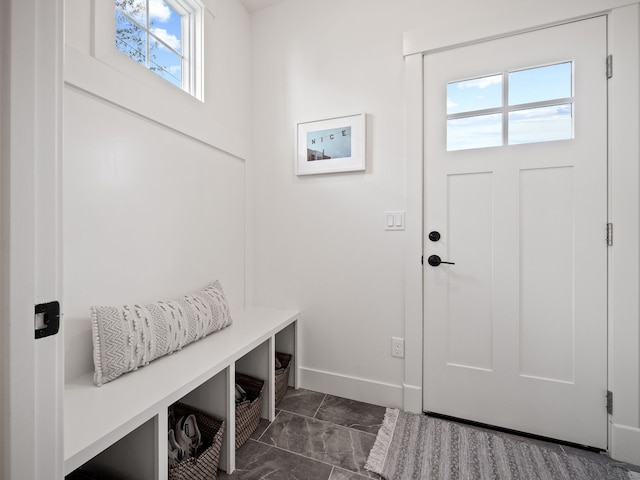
column 313, row 437
column 321, row 437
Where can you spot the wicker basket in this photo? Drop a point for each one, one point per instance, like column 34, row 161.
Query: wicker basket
column 248, row 412
column 205, row 465
column 282, row 375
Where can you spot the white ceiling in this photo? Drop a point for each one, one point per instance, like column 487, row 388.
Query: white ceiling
column 252, row 5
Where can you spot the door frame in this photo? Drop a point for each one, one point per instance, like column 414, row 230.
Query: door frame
column 31, row 374
column 624, row 210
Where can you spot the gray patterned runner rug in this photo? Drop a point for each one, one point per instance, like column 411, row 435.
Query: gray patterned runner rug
column 418, row 447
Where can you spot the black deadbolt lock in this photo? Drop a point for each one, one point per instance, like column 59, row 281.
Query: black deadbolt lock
column 434, row 236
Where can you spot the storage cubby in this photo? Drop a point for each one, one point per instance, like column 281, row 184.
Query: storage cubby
column 120, row 430
column 131, row 458
column 257, row 363
column 286, row 342
column 203, row 461
column 211, row 397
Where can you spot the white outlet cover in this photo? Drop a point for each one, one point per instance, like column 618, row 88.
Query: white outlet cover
column 397, row 347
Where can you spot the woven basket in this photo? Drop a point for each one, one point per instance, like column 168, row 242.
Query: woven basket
column 248, row 412
column 205, row 465
column 282, row 375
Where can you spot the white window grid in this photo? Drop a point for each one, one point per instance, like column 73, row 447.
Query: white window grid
column 506, row 108
column 191, row 30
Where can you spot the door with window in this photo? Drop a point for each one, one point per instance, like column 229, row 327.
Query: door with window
column 516, row 201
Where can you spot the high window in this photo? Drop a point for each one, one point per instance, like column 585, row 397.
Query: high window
column 510, row 108
column 164, row 36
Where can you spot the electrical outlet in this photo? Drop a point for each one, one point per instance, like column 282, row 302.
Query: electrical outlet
column 397, row 347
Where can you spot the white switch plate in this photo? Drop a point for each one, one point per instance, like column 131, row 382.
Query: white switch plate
column 394, row 220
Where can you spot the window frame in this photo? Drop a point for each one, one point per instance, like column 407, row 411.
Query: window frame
column 192, row 45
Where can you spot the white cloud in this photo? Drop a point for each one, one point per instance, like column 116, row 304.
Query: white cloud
column 483, row 82
column 451, row 104
column 166, row 37
column 541, row 114
column 158, row 10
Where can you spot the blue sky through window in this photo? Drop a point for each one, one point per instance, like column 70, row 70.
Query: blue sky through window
column 476, row 94
column 165, row 39
column 474, row 132
column 540, row 84
column 131, row 39
column 542, row 124
column 529, row 124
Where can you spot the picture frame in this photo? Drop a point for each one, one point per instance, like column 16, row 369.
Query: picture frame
column 331, row 145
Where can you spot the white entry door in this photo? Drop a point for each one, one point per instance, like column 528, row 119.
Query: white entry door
column 516, row 189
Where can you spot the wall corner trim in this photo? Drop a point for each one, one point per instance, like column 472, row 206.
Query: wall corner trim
column 412, row 398
column 625, row 443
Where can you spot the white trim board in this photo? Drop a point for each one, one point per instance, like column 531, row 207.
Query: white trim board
column 440, row 35
column 624, row 213
column 354, row 388
column 625, row 441
column 32, row 158
column 413, row 235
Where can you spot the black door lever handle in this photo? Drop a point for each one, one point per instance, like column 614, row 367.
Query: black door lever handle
column 435, row 260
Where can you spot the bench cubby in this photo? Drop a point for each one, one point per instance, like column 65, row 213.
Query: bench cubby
column 124, row 422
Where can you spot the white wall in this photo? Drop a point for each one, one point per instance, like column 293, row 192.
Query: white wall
column 154, row 180
column 319, row 241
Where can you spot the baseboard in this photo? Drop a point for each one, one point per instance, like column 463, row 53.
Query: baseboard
column 625, row 444
column 412, row 398
column 354, row 388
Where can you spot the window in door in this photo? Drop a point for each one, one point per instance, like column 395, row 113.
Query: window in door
column 510, row 108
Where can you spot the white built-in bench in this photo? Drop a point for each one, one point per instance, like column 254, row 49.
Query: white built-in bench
column 122, row 427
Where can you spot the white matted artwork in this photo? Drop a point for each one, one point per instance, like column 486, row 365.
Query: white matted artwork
column 331, row 145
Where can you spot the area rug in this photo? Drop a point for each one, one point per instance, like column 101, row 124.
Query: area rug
column 419, row 447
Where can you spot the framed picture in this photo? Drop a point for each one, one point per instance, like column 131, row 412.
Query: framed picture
column 331, row 145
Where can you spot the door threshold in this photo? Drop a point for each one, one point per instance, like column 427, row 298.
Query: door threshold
column 509, row 431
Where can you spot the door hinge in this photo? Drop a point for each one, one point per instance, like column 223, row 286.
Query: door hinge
column 422, row 260
column 610, row 234
column 609, row 402
column 47, row 319
column 609, row 66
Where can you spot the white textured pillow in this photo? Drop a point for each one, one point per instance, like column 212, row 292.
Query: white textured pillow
column 131, row 336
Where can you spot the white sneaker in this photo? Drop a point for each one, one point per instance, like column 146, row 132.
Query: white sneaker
column 176, row 453
column 188, row 435
column 241, row 395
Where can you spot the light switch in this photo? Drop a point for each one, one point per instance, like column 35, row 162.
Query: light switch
column 390, row 221
column 394, row 220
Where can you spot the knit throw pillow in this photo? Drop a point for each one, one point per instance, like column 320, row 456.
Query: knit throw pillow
column 131, row 336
